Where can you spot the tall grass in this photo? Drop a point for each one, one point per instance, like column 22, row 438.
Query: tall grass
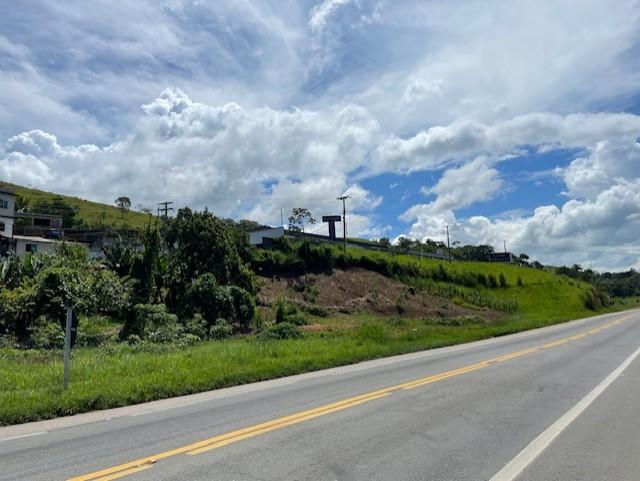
column 119, row 375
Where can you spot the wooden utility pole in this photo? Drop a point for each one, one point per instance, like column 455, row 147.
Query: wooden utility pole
column 448, row 244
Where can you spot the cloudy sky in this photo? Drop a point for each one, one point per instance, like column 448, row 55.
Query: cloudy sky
column 516, row 121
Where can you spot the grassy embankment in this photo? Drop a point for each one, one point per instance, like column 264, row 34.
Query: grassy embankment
column 93, row 214
column 117, row 375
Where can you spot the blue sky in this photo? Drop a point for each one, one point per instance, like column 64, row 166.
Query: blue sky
column 511, row 121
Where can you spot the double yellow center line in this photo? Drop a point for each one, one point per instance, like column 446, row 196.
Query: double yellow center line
column 215, row 442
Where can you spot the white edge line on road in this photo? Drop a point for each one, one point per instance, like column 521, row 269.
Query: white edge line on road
column 515, row 467
column 13, row 438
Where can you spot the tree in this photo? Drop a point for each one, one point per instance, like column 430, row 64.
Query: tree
column 124, row 204
column 198, row 243
column 299, row 216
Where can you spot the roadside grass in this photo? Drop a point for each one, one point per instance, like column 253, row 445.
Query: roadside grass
column 118, row 374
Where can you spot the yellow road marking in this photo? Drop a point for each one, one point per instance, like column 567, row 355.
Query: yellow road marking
column 215, row 442
column 122, row 474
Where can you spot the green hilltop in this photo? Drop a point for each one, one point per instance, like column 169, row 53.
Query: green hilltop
column 91, row 214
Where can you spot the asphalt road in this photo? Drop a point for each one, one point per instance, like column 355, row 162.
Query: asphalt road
column 558, row 403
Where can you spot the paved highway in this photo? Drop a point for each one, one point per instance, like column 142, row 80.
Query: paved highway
column 558, row 403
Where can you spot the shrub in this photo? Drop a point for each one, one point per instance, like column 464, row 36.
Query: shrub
column 493, row 282
column 520, row 283
column 153, row 322
column 316, row 311
column 17, row 311
column 298, row 319
column 206, row 297
column 284, row 309
column 46, row 334
column 59, row 288
column 503, row 280
column 196, row 326
column 283, row 330
column 482, row 280
column 221, row 329
column 243, row 308
column 109, row 293
column 97, row 330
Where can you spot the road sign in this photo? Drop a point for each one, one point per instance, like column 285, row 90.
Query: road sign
column 332, row 219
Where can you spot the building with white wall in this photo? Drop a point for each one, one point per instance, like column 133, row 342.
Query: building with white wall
column 7, row 211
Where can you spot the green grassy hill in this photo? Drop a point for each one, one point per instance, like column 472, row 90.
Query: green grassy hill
column 93, row 214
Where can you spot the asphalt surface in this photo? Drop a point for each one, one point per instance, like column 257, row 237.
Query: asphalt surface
column 464, row 425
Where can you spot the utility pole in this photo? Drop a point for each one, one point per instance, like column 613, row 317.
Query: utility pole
column 505, row 246
column 448, row 244
column 343, row 198
column 164, row 208
column 281, row 218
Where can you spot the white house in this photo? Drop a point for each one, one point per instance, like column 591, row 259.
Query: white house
column 33, row 244
column 21, row 244
column 7, row 211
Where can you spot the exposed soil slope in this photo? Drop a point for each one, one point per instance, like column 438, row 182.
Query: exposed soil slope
column 363, row 291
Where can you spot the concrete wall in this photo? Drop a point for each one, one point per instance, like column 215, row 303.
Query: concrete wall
column 8, row 226
column 21, row 246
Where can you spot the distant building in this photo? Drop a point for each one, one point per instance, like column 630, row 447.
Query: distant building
column 257, row 238
column 7, row 211
column 10, row 241
column 32, row 221
column 504, row 257
column 25, row 244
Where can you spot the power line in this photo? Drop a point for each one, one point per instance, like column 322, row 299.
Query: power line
column 164, row 207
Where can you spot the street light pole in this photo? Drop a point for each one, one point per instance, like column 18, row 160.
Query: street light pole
column 343, row 198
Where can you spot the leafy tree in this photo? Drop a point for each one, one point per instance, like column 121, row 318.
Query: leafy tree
column 199, row 243
column 123, row 203
column 299, row 216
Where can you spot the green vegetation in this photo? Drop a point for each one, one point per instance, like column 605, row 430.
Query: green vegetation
column 175, row 313
column 120, row 374
column 79, row 212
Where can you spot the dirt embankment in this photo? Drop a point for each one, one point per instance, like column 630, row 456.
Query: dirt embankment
column 363, row 291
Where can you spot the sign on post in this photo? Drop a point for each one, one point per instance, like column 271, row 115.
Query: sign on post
column 70, row 335
column 332, row 219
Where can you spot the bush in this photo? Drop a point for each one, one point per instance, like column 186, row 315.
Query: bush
column 493, row 282
column 284, row 309
column 153, row 322
column 196, row 326
column 59, row 288
column 206, row 297
column 221, row 329
column 243, row 308
column 482, row 280
column 520, row 283
column 283, row 330
column 17, row 311
column 298, row 319
column 503, row 280
column 109, row 293
column 97, row 330
column 316, row 311
column 46, row 334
